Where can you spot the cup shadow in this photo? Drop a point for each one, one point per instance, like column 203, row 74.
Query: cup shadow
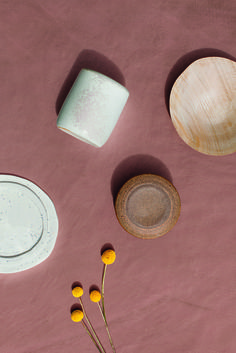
column 137, row 165
column 92, row 60
column 186, row 60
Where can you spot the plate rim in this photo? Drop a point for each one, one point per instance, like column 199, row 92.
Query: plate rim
column 43, row 248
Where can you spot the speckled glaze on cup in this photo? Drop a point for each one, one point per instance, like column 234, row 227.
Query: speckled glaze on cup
column 92, row 107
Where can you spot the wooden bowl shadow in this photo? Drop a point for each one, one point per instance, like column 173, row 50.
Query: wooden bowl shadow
column 137, row 165
column 186, row 60
column 92, row 60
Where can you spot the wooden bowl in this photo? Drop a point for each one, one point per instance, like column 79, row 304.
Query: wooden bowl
column 203, row 105
column 147, row 206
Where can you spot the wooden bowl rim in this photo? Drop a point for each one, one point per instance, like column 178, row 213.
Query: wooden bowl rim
column 224, row 151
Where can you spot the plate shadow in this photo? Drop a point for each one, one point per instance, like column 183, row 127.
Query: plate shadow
column 137, row 165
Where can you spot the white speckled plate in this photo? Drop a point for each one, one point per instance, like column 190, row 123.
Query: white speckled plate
column 28, row 224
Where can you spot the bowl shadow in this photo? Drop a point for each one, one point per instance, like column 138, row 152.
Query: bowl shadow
column 137, row 165
column 186, row 60
column 92, row 60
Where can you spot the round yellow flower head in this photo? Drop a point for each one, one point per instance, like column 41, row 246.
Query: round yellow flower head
column 77, row 291
column 108, row 256
column 95, row 296
column 77, row 315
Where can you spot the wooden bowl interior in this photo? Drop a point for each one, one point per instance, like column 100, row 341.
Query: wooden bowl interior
column 203, row 105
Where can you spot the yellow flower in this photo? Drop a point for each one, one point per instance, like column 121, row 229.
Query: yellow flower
column 77, row 315
column 95, row 296
column 77, row 291
column 108, row 256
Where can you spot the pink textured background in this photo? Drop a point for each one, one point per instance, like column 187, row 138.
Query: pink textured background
column 175, row 294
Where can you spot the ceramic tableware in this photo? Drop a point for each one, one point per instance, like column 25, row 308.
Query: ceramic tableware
column 92, row 107
column 28, row 224
column 147, row 206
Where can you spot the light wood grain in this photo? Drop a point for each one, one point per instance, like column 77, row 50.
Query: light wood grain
column 203, row 105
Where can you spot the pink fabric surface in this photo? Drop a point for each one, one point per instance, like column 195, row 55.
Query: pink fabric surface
column 175, row 294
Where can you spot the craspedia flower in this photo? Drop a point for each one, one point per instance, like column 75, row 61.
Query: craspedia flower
column 77, row 291
column 95, row 296
column 77, row 315
column 108, row 256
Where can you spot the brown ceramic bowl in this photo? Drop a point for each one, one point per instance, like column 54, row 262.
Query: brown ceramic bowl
column 147, row 206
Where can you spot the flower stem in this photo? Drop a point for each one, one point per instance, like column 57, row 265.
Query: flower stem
column 107, row 328
column 91, row 327
column 102, row 310
column 103, row 281
column 86, row 328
